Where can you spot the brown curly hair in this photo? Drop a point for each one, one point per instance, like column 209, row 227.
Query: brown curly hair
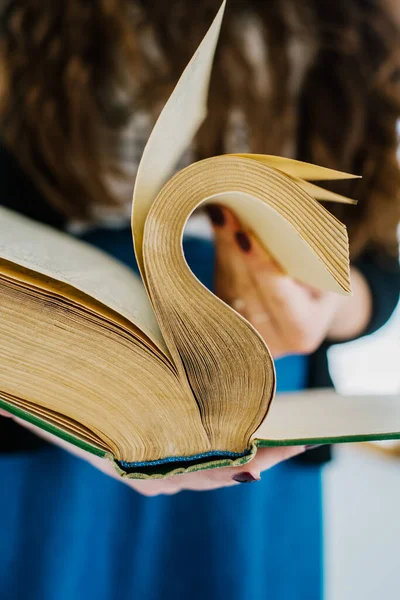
column 74, row 67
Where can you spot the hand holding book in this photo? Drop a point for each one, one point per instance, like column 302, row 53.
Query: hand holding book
column 205, row 480
column 159, row 375
column 291, row 317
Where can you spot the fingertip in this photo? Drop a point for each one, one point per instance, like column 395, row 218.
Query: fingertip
column 230, row 218
column 243, row 241
column 231, row 221
column 216, row 215
column 246, row 477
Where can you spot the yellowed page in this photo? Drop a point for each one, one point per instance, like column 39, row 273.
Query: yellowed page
column 302, row 172
column 180, row 119
column 59, row 256
column 299, row 169
column 320, row 193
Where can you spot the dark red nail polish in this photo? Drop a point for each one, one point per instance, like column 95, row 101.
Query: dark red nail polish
column 216, row 215
column 243, row 240
column 244, row 478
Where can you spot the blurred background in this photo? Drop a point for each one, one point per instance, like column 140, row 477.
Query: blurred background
column 362, row 486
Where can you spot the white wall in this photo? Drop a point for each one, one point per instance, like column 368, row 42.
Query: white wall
column 361, row 488
column 362, row 527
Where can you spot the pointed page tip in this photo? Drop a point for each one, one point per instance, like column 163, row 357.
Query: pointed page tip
column 299, row 169
column 320, row 193
column 174, row 130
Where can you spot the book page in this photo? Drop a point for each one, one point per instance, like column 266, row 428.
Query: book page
column 325, row 415
column 298, row 168
column 179, row 121
column 302, row 173
column 59, row 256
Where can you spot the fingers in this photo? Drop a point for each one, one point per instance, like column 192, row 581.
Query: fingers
column 291, row 317
column 265, row 459
column 233, row 279
column 232, row 275
column 211, row 479
column 300, row 315
column 238, row 256
column 260, row 259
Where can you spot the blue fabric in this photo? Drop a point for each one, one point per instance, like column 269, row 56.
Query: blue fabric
column 69, row 532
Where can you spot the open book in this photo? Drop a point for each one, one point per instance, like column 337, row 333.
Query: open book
column 158, row 374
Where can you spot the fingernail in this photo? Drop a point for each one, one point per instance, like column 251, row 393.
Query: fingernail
column 216, row 215
column 243, row 240
column 313, row 447
column 244, row 478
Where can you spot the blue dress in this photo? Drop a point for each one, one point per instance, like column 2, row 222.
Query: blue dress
column 68, row 532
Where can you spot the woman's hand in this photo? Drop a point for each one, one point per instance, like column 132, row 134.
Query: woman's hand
column 200, row 481
column 292, row 318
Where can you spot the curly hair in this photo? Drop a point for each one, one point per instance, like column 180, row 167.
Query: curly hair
column 74, row 67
